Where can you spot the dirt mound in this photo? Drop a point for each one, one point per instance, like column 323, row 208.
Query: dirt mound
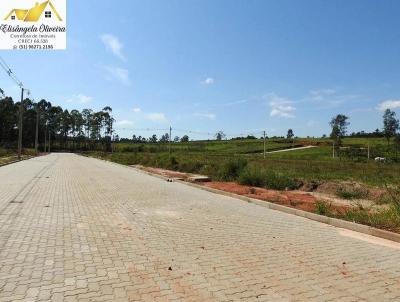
column 298, row 200
column 332, row 188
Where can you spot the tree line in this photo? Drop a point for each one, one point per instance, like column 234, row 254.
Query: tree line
column 57, row 128
column 391, row 126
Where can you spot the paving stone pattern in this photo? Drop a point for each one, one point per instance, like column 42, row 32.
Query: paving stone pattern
column 79, row 229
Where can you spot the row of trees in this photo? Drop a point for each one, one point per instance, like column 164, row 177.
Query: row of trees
column 154, row 139
column 391, row 126
column 57, row 128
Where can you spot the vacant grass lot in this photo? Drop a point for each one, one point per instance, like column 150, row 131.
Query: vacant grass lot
column 209, row 157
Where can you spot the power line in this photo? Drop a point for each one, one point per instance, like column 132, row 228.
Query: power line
column 142, row 129
column 196, row 132
column 15, row 79
column 10, row 73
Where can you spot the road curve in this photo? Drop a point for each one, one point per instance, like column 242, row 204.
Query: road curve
column 292, row 149
column 80, row 229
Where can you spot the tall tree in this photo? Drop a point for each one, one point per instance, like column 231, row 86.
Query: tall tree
column 61, row 125
column 290, row 134
column 390, row 124
column 339, row 126
column 220, row 135
column 8, row 121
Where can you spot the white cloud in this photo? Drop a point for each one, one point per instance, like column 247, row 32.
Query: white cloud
column 124, row 123
column 113, row 44
column 322, row 94
column 208, row 81
column 137, row 110
column 329, row 98
column 79, row 99
column 233, row 103
column 157, row 117
column 210, row 116
column 280, row 107
column 120, row 74
column 389, row 104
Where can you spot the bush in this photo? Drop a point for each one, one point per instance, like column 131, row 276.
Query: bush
column 252, row 177
column 232, row 169
column 279, row 181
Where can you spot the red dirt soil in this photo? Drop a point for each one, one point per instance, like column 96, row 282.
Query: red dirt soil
column 302, row 201
column 294, row 199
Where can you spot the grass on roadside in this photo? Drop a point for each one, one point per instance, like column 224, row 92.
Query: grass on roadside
column 254, row 176
column 387, row 218
column 352, row 194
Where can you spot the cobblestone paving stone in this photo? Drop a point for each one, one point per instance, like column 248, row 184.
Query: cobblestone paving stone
column 80, row 229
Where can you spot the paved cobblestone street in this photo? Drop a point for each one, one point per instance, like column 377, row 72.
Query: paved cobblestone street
column 80, row 229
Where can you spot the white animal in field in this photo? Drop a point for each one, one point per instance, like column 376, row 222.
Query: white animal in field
column 380, row 159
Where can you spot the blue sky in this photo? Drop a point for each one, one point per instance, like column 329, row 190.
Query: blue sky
column 237, row 66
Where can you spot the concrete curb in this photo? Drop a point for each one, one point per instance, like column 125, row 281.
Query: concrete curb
column 360, row 228
column 9, row 163
column 15, row 161
column 312, row 216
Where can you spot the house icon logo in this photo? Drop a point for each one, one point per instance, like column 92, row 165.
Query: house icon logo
column 34, row 14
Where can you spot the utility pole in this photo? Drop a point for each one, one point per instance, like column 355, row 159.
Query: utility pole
column 37, row 129
column 20, row 124
column 368, row 150
column 170, row 133
column 49, row 141
column 264, row 144
column 45, row 139
column 112, row 136
column 333, row 150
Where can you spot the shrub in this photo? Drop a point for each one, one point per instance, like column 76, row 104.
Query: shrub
column 231, row 169
column 279, row 181
column 252, row 177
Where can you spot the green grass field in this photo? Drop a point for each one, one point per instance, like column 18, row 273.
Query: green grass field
column 315, row 164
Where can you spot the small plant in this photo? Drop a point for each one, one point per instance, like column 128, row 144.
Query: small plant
column 322, row 208
column 351, row 194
